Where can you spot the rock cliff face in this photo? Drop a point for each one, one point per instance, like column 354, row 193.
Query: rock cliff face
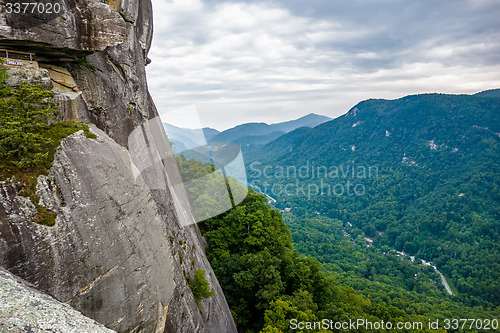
column 25, row 309
column 117, row 252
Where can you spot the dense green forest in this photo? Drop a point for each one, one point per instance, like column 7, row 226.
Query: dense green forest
column 378, row 271
column 419, row 174
column 267, row 283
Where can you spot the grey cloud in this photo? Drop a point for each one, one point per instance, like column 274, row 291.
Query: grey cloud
column 283, row 56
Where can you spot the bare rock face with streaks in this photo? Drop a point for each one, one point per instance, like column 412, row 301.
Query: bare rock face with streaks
column 117, row 252
column 78, row 27
column 25, row 309
column 107, row 254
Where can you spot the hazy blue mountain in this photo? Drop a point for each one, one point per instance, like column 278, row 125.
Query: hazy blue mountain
column 249, row 136
column 248, row 129
column 434, row 187
column 251, row 142
column 187, row 138
column 310, row 120
column 210, row 132
column 255, row 135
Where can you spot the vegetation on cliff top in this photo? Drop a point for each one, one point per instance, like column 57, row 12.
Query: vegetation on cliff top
column 28, row 138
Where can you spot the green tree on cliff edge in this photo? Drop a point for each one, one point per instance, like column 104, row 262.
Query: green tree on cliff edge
column 24, row 115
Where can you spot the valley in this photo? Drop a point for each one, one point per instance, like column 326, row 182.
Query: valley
column 415, row 234
column 434, row 199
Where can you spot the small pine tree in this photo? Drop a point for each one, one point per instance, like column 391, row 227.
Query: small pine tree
column 24, row 115
column 28, row 139
column 4, row 90
column 200, row 286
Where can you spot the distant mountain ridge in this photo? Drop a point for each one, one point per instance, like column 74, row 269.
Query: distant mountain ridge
column 493, row 93
column 187, row 138
column 381, row 108
column 249, row 136
column 262, row 129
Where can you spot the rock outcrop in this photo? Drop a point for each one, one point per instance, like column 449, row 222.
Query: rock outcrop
column 31, row 72
column 107, row 255
column 25, row 309
column 80, row 27
column 117, row 253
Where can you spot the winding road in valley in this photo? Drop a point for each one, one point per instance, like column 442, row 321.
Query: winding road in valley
column 412, row 259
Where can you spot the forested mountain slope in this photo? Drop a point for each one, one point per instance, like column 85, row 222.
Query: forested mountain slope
column 268, row 285
column 418, row 174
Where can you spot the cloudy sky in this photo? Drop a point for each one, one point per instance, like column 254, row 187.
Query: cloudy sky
column 269, row 61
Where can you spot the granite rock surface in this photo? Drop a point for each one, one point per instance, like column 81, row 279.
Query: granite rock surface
column 118, row 252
